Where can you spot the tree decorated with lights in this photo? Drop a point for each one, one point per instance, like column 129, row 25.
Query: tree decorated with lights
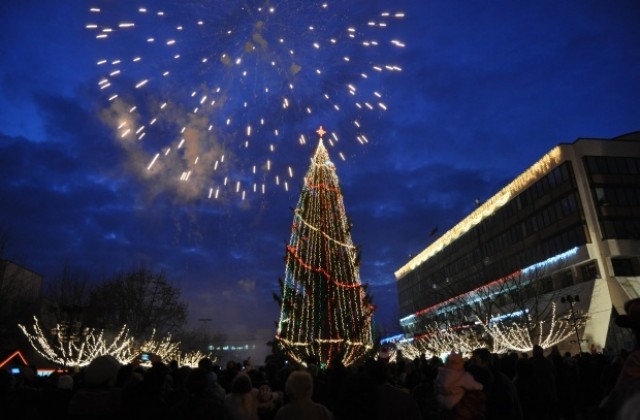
column 80, row 349
column 325, row 310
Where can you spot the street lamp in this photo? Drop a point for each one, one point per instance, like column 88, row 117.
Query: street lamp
column 208, row 332
column 572, row 300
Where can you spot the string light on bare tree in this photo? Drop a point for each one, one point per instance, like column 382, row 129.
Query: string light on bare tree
column 520, row 334
column 93, row 343
column 81, row 352
column 165, row 349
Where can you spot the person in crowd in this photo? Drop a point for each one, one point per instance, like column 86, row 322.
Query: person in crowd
column 501, row 397
column 627, row 386
column 529, row 393
column 299, row 388
column 215, row 389
column 97, row 396
column 54, row 400
column 147, row 399
column 566, row 373
column 242, row 402
column 546, row 376
column 178, row 390
column 424, row 393
column 18, row 394
column 269, row 402
column 412, row 374
column 227, row 375
column 390, row 401
column 321, row 391
column 198, row 402
column 367, row 393
column 452, row 382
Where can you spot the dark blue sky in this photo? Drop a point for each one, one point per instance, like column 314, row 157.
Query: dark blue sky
column 486, row 88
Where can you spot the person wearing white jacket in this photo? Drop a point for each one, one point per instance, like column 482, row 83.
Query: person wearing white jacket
column 453, row 381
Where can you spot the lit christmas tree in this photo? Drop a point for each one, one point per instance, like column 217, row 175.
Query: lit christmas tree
column 325, row 310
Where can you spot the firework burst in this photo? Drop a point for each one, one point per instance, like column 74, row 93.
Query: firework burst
column 217, row 95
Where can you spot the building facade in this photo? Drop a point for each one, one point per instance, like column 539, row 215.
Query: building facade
column 20, row 299
column 18, row 283
column 570, row 224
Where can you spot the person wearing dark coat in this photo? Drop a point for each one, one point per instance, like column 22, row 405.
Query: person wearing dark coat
column 392, row 402
column 198, row 403
column 546, row 376
column 502, row 402
column 622, row 402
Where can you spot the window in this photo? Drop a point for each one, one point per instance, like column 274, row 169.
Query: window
column 589, row 271
column 547, row 284
column 566, row 279
column 591, row 164
column 624, row 267
column 612, row 165
column 632, row 165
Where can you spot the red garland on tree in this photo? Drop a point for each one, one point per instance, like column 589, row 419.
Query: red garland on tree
column 325, row 310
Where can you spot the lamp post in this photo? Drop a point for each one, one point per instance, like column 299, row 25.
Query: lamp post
column 572, row 300
column 208, row 331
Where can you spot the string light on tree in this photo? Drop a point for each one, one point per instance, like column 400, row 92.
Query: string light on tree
column 79, row 353
column 439, row 340
column 325, row 309
column 165, row 349
column 521, row 334
column 191, row 358
column 510, row 333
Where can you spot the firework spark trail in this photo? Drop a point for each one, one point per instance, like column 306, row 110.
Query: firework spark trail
column 240, row 84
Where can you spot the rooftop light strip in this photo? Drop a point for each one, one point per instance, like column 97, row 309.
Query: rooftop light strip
column 541, row 167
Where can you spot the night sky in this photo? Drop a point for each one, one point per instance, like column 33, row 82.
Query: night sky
column 484, row 90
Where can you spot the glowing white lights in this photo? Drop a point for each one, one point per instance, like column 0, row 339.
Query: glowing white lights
column 88, row 344
column 256, row 64
column 486, row 209
column 322, row 275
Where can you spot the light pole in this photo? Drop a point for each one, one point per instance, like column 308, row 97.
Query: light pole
column 572, row 300
column 208, row 331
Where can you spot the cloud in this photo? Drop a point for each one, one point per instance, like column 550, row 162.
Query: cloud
column 485, row 90
column 247, row 286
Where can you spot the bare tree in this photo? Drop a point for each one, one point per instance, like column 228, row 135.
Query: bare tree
column 523, row 299
column 519, row 304
column 66, row 294
column 141, row 299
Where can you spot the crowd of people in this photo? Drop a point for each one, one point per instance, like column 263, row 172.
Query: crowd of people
column 486, row 386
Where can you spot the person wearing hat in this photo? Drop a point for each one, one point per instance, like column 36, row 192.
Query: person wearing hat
column 627, row 387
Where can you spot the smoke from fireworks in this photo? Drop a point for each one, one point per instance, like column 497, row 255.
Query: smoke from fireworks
column 216, row 96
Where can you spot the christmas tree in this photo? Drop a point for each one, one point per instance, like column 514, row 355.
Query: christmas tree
column 325, row 312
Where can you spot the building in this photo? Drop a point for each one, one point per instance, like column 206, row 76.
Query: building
column 17, row 282
column 20, row 296
column 572, row 219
